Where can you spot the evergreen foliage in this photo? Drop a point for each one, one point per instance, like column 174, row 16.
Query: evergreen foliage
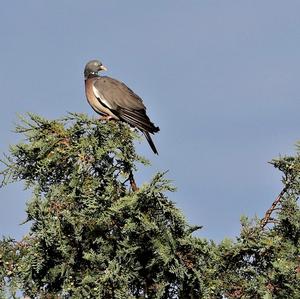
column 91, row 235
column 94, row 234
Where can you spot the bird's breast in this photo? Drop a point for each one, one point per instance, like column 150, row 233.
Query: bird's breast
column 94, row 101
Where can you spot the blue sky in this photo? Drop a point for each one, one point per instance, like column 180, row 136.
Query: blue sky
column 220, row 78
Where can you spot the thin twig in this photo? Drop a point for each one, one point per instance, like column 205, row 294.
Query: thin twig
column 132, row 182
column 264, row 221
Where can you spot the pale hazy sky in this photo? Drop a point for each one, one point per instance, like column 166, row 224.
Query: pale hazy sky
column 220, row 78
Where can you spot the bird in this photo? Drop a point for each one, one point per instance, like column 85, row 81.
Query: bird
column 113, row 100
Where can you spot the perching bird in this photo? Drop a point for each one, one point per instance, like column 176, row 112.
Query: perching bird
column 114, row 100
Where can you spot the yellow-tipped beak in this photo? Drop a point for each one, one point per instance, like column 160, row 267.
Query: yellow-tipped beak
column 102, row 67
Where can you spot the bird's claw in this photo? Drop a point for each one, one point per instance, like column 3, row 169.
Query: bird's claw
column 106, row 117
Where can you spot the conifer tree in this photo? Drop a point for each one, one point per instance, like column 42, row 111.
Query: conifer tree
column 96, row 234
column 264, row 261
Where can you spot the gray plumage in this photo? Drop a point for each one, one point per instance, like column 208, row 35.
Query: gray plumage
column 113, row 99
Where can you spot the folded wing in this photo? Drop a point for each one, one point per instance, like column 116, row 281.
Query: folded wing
column 123, row 102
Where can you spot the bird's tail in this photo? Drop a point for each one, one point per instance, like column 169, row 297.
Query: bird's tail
column 150, row 141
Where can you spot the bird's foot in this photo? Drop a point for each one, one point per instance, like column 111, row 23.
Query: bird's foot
column 106, row 117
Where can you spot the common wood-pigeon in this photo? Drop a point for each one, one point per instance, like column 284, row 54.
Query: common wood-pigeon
column 114, row 100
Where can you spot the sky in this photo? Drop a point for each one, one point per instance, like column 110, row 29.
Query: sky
column 220, row 79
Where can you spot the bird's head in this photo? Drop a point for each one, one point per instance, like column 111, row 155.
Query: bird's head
column 93, row 67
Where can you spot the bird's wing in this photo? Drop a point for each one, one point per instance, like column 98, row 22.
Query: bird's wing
column 123, row 102
column 115, row 94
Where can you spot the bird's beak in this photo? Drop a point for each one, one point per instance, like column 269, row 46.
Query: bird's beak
column 103, row 68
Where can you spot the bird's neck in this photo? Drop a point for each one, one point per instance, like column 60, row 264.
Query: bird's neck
column 91, row 75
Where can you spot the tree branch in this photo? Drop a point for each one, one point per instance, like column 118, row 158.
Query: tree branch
column 132, row 182
column 264, row 221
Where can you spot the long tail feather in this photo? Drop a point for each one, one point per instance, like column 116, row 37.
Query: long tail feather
column 150, row 141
